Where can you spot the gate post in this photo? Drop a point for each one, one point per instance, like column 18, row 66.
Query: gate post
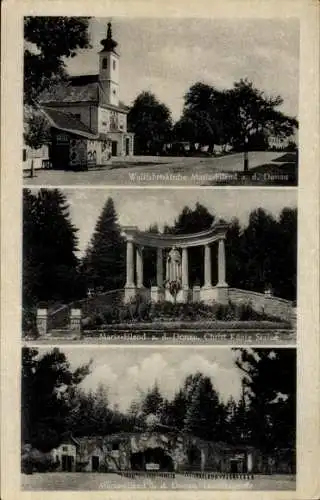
column 42, row 321
column 75, row 320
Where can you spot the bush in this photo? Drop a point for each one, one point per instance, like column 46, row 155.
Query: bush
column 29, row 322
column 36, row 461
column 143, row 311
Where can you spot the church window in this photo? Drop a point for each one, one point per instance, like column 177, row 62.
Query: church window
column 114, row 64
column 104, row 63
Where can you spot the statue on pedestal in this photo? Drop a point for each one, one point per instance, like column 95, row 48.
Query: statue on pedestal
column 173, row 270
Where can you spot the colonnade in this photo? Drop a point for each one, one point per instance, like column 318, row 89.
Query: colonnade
column 135, row 253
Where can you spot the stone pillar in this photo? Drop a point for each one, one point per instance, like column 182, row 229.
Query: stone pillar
column 221, row 289
column 249, row 462
column 75, row 320
column 130, row 289
column 139, row 266
column 159, row 268
column 203, row 460
column 130, row 268
column 207, row 266
column 221, row 264
column 42, row 321
column 185, row 272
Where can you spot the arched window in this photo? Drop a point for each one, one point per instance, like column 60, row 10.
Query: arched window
column 104, row 63
column 114, row 64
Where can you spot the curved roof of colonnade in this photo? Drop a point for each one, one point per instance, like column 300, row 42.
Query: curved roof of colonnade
column 144, row 238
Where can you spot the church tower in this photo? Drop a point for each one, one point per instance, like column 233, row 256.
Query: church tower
column 109, row 69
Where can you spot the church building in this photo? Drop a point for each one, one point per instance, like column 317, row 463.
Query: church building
column 87, row 118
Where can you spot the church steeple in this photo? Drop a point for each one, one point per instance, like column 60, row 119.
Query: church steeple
column 109, row 60
column 109, row 45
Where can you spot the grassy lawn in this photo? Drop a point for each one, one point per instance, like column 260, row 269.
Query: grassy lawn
column 95, row 482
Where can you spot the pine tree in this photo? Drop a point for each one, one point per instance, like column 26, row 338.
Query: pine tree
column 104, row 263
column 49, row 246
column 204, row 415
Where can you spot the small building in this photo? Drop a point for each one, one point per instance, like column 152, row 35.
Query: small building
column 65, row 456
column 87, row 118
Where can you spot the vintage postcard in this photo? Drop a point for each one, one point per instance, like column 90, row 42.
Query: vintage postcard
column 160, row 250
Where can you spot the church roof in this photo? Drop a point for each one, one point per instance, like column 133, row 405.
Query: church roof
column 67, row 122
column 78, row 89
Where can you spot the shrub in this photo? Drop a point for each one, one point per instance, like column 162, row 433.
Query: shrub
column 29, row 322
column 36, row 461
column 109, row 315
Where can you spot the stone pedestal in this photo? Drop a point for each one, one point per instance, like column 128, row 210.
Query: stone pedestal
column 42, row 321
column 75, row 320
column 222, row 294
column 157, row 294
column 207, row 294
column 182, row 296
column 130, row 293
column 196, row 294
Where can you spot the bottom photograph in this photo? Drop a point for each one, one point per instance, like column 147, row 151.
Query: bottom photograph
column 105, row 418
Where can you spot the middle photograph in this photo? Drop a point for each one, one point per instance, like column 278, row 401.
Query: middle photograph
column 159, row 266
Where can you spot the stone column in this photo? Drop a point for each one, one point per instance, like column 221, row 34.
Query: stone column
column 130, row 289
column 207, row 266
column 139, row 266
column 221, row 264
column 249, row 462
column 130, row 269
column 185, row 272
column 159, row 268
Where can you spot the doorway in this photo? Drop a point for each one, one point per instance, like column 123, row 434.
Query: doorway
column 127, row 146
column 67, row 463
column 95, row 463
column 233, row 466
column 114, row 148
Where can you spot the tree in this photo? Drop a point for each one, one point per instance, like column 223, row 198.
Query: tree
column 259, row 251
column 234, row 254
column 49, row 247
column 251, row 113
column 37, row 131
column 91, row 414
column 201, row 120
column 47, row 384
column 151, row 122
column 48, row 42
column 285, row 265
column 152, row 402
column 103, row 263
column 204, row 416
column 270, row 386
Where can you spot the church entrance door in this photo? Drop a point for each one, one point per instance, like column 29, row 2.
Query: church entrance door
column 127, row 146
column 114, row 148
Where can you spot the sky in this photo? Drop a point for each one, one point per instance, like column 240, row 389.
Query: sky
column 130, row 370
column 144, row 207
column 167, row 55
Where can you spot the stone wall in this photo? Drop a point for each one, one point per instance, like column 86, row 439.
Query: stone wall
column 270, row 305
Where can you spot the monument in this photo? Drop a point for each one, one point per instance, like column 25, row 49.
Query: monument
column 177, row 274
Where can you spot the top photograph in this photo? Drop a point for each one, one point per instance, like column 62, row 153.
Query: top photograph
column 160, row 101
